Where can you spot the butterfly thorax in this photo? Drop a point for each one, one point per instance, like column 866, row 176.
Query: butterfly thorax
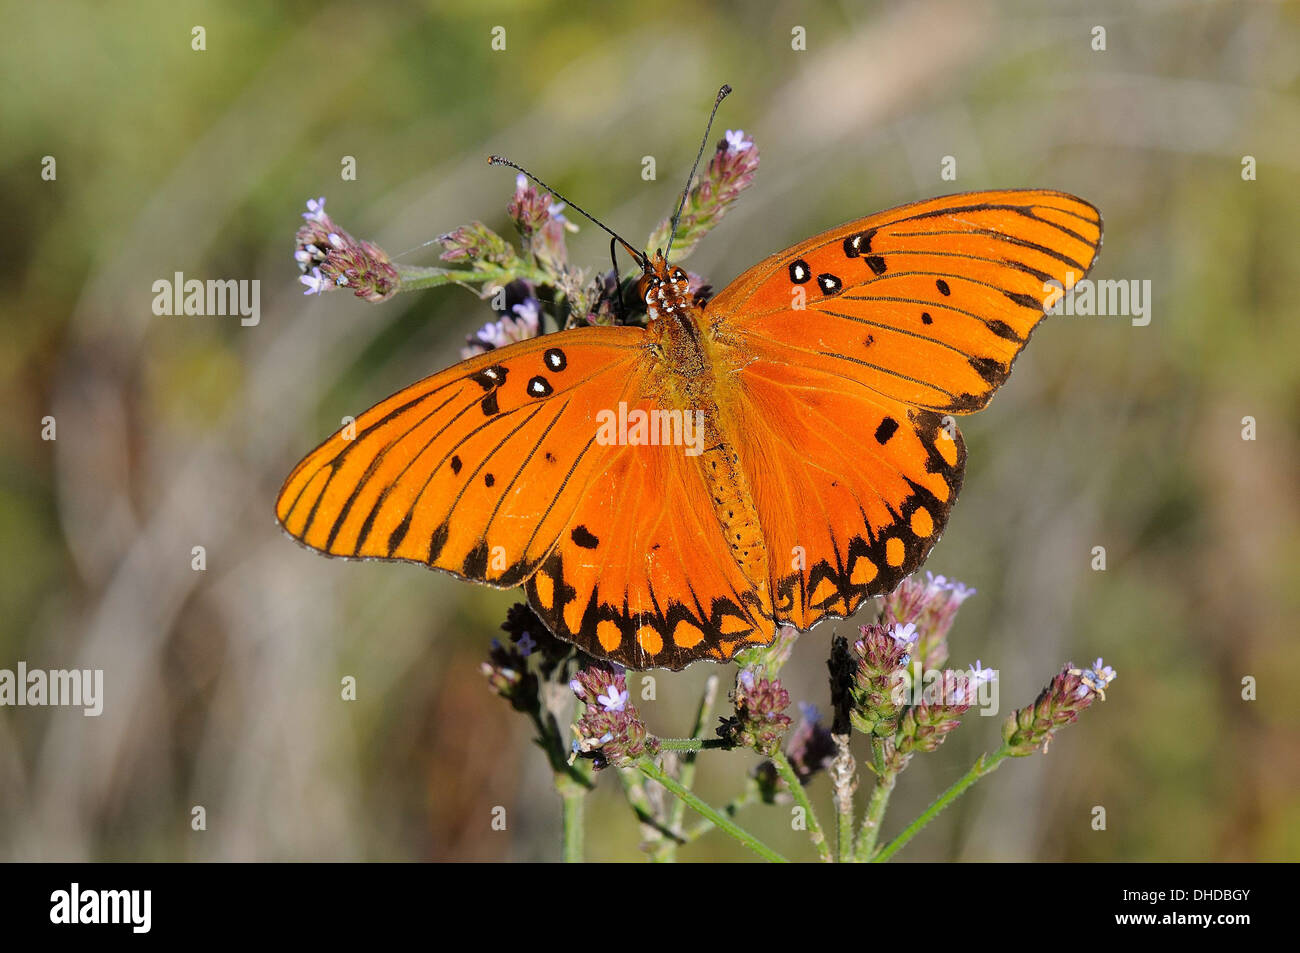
column 688, row 361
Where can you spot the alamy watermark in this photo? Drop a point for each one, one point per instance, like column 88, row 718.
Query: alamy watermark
column 133, row 908
column 652, row 428
column 1103, row 298
column 976, row 687
column 56, row 687
column 216, row 297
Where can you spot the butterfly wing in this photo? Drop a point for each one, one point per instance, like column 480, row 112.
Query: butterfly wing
column 476, row 470
column 928, row 303
column 850, row 346
column 643, row 575
column 852, row 487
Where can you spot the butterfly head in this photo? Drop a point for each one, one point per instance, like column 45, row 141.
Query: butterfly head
column 665, row 288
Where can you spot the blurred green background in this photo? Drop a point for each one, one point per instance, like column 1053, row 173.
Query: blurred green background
column 223, row 686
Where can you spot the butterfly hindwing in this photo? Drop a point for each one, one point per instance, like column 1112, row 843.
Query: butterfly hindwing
column 643, row 576
column 475, row 470
column 853, row 488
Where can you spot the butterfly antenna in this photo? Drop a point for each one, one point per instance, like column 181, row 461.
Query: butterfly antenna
column 723, row 93
column 620, row 317
column 640, row 258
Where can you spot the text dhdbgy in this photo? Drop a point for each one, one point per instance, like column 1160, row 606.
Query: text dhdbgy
column 214, row 297
column 74, row 905
column 651, row 428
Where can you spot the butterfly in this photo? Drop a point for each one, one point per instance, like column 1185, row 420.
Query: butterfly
column 821, row 383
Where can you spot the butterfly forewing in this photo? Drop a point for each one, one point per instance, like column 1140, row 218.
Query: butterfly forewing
column 929, row 303
column 476, row 470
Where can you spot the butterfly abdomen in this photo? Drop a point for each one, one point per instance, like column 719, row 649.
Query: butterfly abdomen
column 733, row 503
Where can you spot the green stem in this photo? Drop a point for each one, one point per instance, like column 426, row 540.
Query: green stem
column 692, row 744
column 573, row 797
column 549, row 740
column 844, row 830
column 661, row 840
column 750, row 795
column 572, row 783
column 419, row 277
column 654, row 773
column 876, row 806
column 877, row 803
column 985, row 764
column 687, row 776
column 842, row 771
column 815, row 833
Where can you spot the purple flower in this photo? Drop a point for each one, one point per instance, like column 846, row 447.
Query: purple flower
column 810, row 747
column 497, row 334
column 331, row 258
column 903, row 634
column 315, row 210
column 609, row 731
column 527, row 311
column 760, row 721
column 932, row 605
column 1096, row 679
column 314, row 282
column 730, row 171
column 1069, row 694
column 613, row 699
column 507, row 673
column 533, row 640
column 736, row 140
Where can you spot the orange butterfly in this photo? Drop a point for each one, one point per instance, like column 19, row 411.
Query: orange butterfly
column 825, row 472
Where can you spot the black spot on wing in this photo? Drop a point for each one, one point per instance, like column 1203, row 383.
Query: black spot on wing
column 583, row 537
column 438, row 540
column 476, row 561
column 1024, row 300
column 989, row 369
column 875, row 263
column 859, row 243
column 888, row 427
column 489, row 405
column 491, row 377
column 1003, row 330
column 800, row 273
column 829, row 284
column 399, row 533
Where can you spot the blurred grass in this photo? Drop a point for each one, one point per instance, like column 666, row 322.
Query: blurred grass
column 176, row 432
